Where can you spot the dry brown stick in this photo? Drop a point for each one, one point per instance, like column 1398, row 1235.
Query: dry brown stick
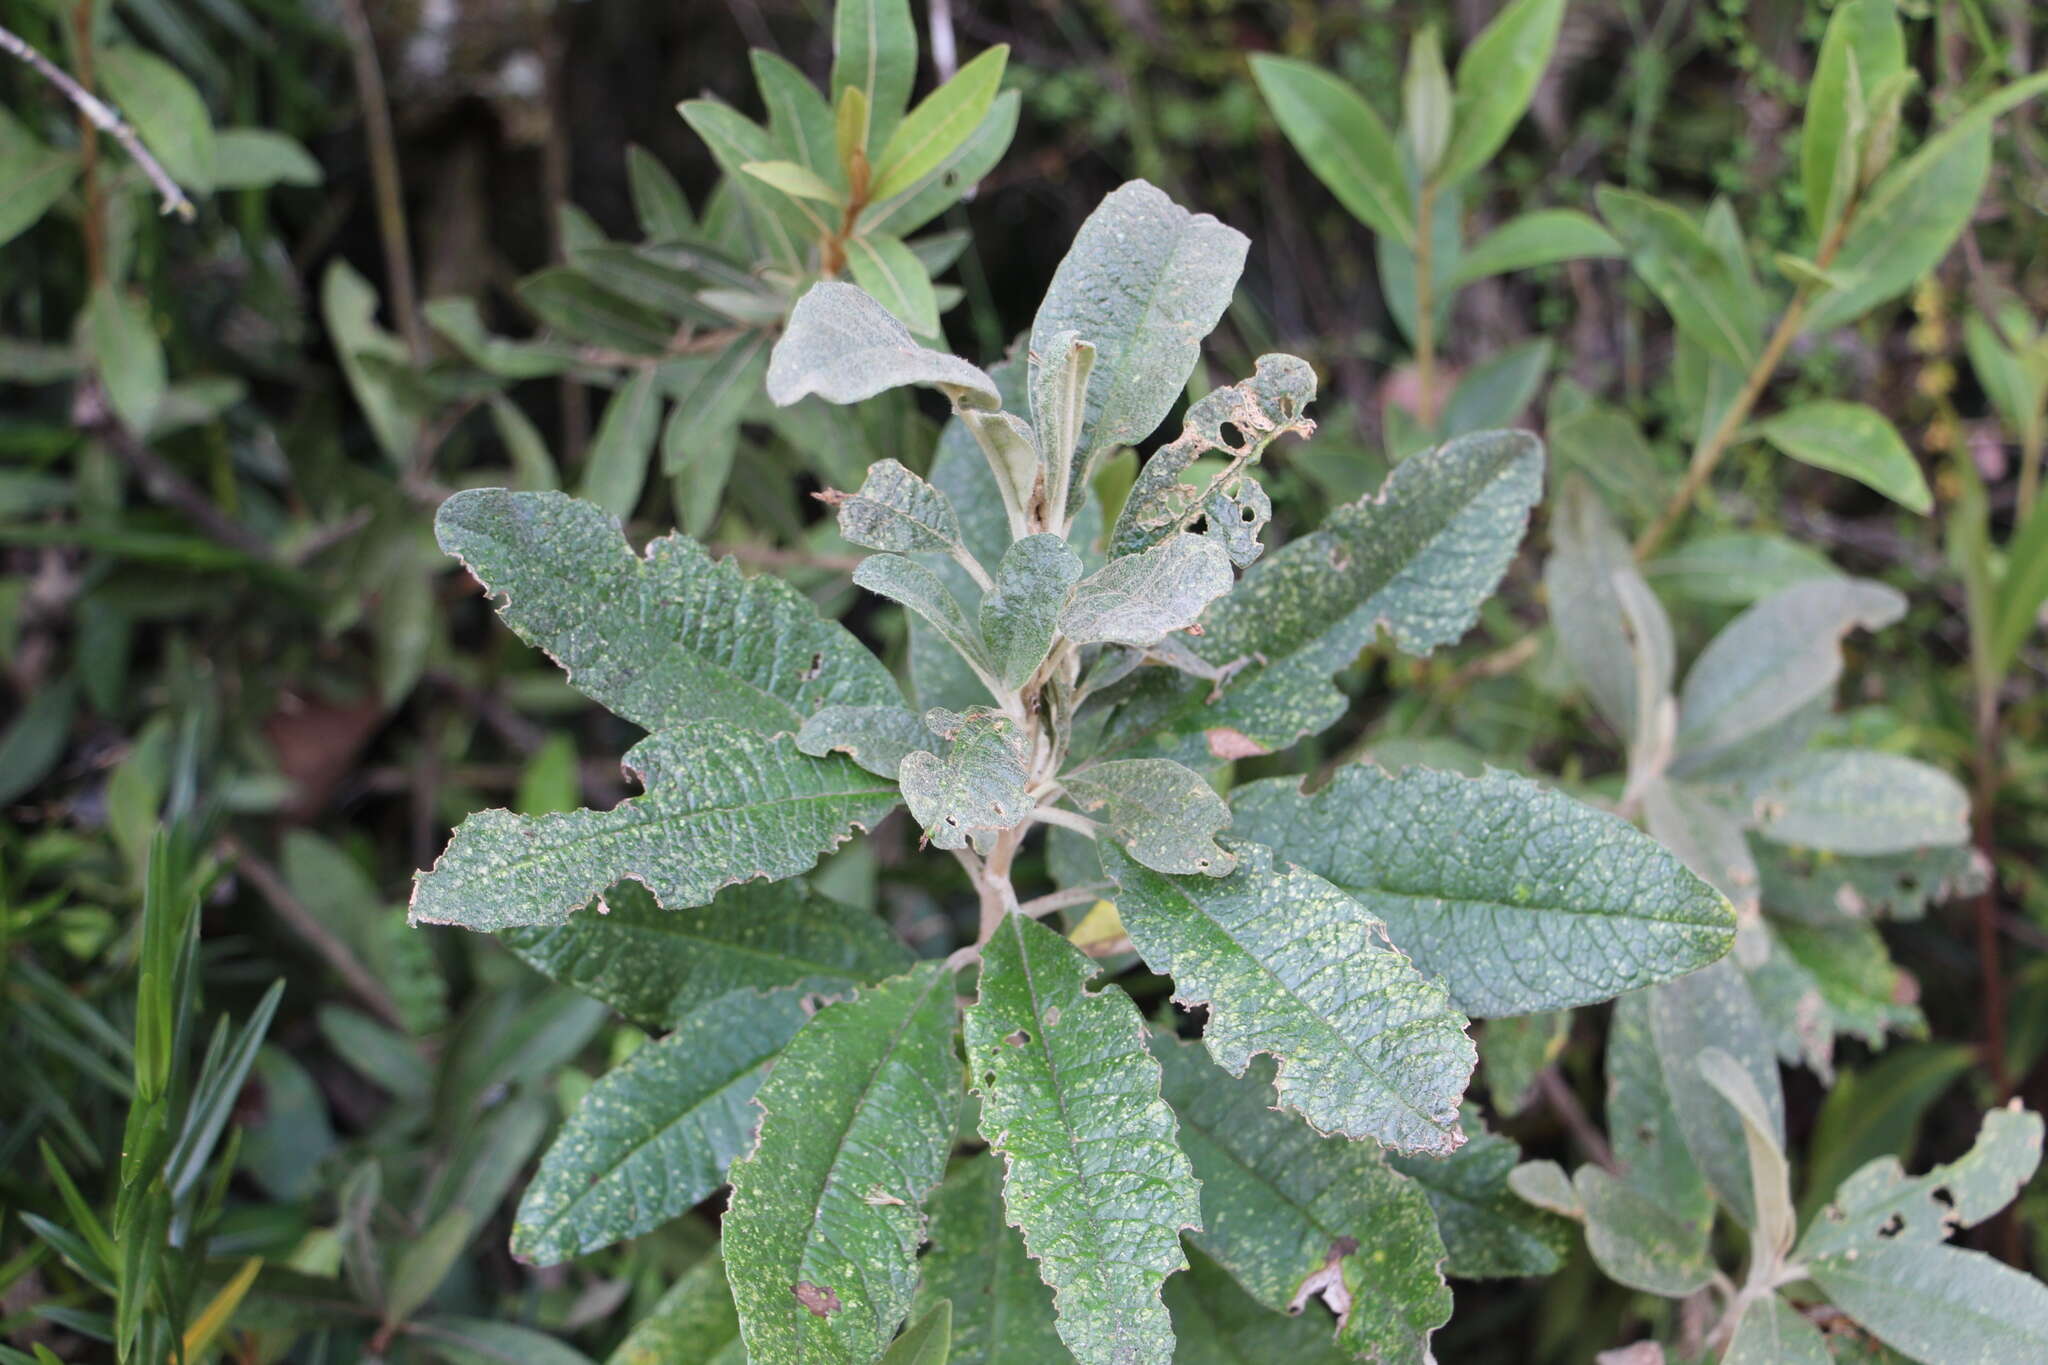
column 271, row 886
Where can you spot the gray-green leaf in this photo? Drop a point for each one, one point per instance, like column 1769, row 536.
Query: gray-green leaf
column 671, row 637
column 1858, row 802
column 977, row 785
column 1637, row 1240
column 1164, row 815
column 1094, row 1177
column 1019, row 615
column 896, row 510
column 1290, row 965
column 721, row 806
column 1941, row 1303
column 878, row 738
column 655, row 1135
column 1881, row 1205
column 1713, row 1008
column 1518, row 897
column 1140, row 599
column 910, row 583
column 844, row 346
column 827, row 1213
column 1294, row 1216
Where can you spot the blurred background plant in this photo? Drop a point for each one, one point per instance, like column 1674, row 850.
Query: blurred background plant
column 469, row 242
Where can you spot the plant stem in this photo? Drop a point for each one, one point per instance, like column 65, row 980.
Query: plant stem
column 383, row 152
column 1990, row 967
column 2030, row 464
column 1425, row 306
column 1709, row 452
column 103, row 119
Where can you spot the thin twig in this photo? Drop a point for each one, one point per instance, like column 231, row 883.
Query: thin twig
column 160, row 479
column 303, row 922
column 103, row 118
column 1040, row 906
column 1565, row 1104
column 384, row 176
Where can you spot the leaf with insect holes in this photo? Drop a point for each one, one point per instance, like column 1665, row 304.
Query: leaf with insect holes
column 658, row 966
column 1019, row 615
column 1145, row 280
column 1142, row 598
column 1093, row 1176
column 670, row 637
column 1002, row 1311
column 1516, row 896
column 1880, row 1204
column 878, row 738
column 821, row 1236
column 1294, row 1216
column 1162, row 814
column 654, row 1136
column 721, row 806
column 1272, row 402
column 1289, row 965
column 1416, row 559
column 977, row 785
column 896, row 510
column 844, row 346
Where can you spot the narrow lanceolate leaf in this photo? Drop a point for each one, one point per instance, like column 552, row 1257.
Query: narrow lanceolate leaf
column 1774, row 659
column 1488, row 1230
column 1713, row 1008
column 1865, row 33
column 1518, row 897
column 1342, row 140
column 721, row 806
column 1162, row 814
column 1019, row 615
column 1770, row 1177
column 1881, row 1204
column 1648, row 1138
column 844, row 346
column 1059, row 406
column 1695, row 283
column 1497, row 77
column 1093, row 1177
column 891, row 272
column 1856, row 802
column 896, row 510
column 675, row 636
column 910, row 583
column 878, row 738
column 1417, row 558
column 654, row 1136
column 1852, row 439
column 1145, row 280
column 827, row 1212
column 1141, row 599
column 944, row 120
column 657, row 967
column 623, row 448
column 1290, row 965
column 1295, row 1217
column 874, row 50
column 1582, row 578
column 1544, row 237
column 1941, row 1303
column 1002, row 1311
column 976, row 786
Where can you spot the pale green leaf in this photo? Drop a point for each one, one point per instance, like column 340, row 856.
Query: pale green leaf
column 693, row 1321
column 794, row 180
column 1162, row 814
column 654, row 1136
column 1488, row 1232
column 976, row 786
column 1852, row 439
column 33, row 184
column 615, row 472
column 1495, row 391
column 1033, row 584
column 1059, row 409
column 1773, row 660
column 844, row 346
column 781, row 227
column 252, row 158
column 165, row 109
column 1140, row 599
column 826, row 1216
column 940, row 123
column 1770, row 1178
column 800, row 122
column 1858, row 802
column 1342, row 140
column 878, row 738
column 1881, row 1205
column 1867, row 34
column 1639, row 1242
column 127, row 353
column 1516, row 896
column 659, row 966
column 891, row 272
column 721, row 806
column 1296, row 1217
column 1145, row 280
column 954, row 176
column 1002, row 1311
column 1940, row 1303
column 897, row 510
column 1093, row 1175
column 1648, row 1140
column 1622, row 657
column 1497, row 75
column 1773, row 1332
column 1544, row 237
column 1736, row 568
column 874, row 50
column 1713, row 1008
column 1292, row 966
column 670, row 637
column 1693, row 280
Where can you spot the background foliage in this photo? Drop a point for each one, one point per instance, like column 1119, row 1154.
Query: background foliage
column 222, row 443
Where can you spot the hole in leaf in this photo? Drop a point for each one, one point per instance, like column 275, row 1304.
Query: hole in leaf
column 1019, row 1038
column 988, row 1078
column 1248, row 514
